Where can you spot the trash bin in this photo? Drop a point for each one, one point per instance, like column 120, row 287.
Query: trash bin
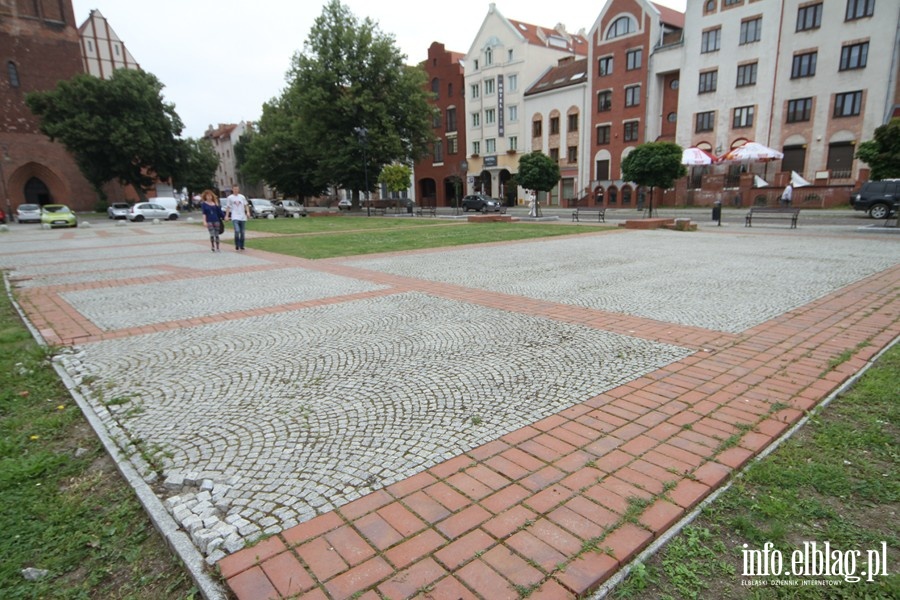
column 409, row 207
column 717, row 210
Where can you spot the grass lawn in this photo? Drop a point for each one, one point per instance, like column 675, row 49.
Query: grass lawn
column 65, row 509
column 836, row 480
column 327, row 237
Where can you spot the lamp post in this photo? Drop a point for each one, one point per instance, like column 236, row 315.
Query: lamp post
column 363, row 134
column 463, row 169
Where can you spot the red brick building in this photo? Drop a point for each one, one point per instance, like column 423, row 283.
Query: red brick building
column 39, row 46
column 440, row 178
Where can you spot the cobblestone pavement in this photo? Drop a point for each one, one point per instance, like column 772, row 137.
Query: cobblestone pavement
column 462, row 421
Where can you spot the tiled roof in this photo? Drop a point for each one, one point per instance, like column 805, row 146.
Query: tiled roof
column 670, row 16
column 551, row 38
column 569, row 73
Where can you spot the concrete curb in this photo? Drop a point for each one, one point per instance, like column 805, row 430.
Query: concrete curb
column 177, row 540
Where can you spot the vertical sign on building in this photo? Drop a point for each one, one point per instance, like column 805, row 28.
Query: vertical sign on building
column 500, row 116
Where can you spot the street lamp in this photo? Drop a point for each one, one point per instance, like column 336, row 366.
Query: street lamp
column 4, row 149
column 463, row 169
column 363, row 134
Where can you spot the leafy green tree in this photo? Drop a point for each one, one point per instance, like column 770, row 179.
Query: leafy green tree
column 278, row 154
column 538, row 172
column 882, row 153
column 654, row 164
column 351, row 76
column 116, row 129
column 197, row 168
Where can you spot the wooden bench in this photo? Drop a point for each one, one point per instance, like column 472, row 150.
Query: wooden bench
column 422, row 210
column 596, row 210
column 772, row 214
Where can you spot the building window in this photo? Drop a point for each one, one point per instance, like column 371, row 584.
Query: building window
column 710, row 40
column 746, row 75
column 554, row 125
column 512, row 83
column 743, row 117
column 436, row 87
column 799, row 110
column 490, row 116
column 709, row 7
column 537, row 129
column 630, row 133
column 476, row 148
column 602, row 168
column 476, row 64
column 13, row 73
column 804, row 65
column 476, row 90
column 438, row 151
column 436, row 118
column 854, row 56
column 490, row 146
column 554, row 154
column 840, row 159
column 751, row 30
column 603, row 135
column 488, row 56
column 476, row 119
column 513, row 113
column 848, row 104
column 449, row 90
column 116, row 48
column 794, row 158
column 708, row 82
column 605, row 66
column 488, row 87
column 604, row 101
column 633, row 59
column 621, row 26
column 633, row 95
column 451, row 120
column 809, row 17
column 90, row 46
column 513, row 142
column 572, row 154
column 857, row 9
column 509, row 55
column 732, row 2
column 452, row 145
column 573, row 123
column 705, row 121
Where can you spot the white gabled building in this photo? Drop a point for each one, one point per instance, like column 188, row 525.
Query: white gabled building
column 505, row 58
column 101, row 49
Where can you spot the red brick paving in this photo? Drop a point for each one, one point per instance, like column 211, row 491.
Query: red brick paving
column 542, row 509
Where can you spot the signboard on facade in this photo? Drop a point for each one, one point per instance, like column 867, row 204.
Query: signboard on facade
column 490, row 161
column 500, row 100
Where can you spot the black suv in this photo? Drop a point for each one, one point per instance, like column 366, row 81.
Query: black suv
column 878, row 198
column 480, row 203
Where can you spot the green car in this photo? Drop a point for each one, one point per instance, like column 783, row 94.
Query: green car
column 58, row 215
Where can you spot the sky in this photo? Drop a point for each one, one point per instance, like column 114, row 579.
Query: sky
column 220, row 60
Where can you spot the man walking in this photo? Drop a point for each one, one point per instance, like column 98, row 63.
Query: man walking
column 786, row 195
column 238, row 212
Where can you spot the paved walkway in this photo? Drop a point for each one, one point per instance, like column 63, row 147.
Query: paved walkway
column 482, row 422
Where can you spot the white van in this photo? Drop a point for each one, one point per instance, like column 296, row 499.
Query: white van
column 170, row 203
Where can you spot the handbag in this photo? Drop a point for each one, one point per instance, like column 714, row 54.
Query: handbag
column 221, row 226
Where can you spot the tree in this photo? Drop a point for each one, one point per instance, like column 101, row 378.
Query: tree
column 395, row 178
column 350, row 76
column 538, row 172
column 882, row 153
column 116, row 129
column 654, row 164
column 197, row 168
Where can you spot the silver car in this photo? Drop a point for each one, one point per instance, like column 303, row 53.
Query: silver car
column 289, row 208
column 261, row 208
column 28, row 213
column 118, row 210
column 151, row 210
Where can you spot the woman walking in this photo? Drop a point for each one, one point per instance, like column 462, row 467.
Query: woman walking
column 212, row 217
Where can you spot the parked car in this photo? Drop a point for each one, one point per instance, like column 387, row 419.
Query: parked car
column 261, row 208
column 878, row 198
column 28, row 213
column 480, row 203
column 167, row 201
column 151, row 210
column 345, row 204
column 118, row 210
column 58, row 215
column 289, row 208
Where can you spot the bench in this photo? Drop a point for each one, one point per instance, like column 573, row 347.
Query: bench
column 597, row 210
column 422, row 210
column 773, row 214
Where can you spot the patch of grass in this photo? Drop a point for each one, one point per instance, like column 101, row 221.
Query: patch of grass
column 835, row 481
column 387, row 235
column 72, row 516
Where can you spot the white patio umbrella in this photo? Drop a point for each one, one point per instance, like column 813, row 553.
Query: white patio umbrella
column 695, row 157
column 752, row 151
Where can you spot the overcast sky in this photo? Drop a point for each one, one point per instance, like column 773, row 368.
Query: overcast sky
column 219, row 60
